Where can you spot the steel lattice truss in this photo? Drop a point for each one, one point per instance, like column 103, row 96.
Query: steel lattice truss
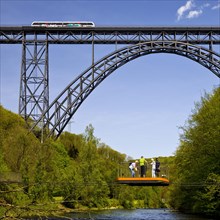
column 34, row 89
column 67, row 103
column 109, row 35
column 195, row 43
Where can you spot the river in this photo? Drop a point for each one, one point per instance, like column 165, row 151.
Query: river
column 136, row 214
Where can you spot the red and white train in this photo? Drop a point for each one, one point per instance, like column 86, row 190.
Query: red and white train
column 68, row 24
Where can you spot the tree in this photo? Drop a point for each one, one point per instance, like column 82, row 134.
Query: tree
column 198, row 156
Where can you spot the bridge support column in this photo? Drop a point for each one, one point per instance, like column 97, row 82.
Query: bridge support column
column 34, row 80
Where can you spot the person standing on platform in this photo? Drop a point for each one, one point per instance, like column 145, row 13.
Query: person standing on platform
column 153, row 167
column 143, row 166
column 133, row 168
column 157, row 170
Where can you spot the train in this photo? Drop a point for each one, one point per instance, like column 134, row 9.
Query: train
column 64, row 24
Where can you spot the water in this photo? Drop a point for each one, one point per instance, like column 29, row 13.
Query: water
column 137, row 214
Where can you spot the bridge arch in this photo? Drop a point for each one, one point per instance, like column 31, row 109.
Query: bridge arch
column 69, row 100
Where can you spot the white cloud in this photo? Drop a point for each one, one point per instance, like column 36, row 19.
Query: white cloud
column 190, row 10
column 216, row 6
column 194, row 14
column 184, row 8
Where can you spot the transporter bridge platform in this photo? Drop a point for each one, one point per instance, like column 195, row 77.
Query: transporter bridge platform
column 124, row 176
column 143, row 181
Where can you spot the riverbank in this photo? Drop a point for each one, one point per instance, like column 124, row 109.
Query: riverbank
column 57, row 210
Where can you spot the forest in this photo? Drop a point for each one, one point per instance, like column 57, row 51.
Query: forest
column 78, row 172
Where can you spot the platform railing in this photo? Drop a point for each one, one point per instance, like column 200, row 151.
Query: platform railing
column 124, row 171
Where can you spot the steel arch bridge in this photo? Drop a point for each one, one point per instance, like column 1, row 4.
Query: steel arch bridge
column 69, row 100
column 190, row 42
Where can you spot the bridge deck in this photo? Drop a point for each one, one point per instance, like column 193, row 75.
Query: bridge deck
column 109, row 35
column 143, row 181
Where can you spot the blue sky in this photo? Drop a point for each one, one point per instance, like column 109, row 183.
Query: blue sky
column 139, row 108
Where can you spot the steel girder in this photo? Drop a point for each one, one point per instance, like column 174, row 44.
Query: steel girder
column 110, row 35
column 69, row 100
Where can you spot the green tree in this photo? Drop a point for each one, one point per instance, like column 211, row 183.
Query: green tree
column 198, row 156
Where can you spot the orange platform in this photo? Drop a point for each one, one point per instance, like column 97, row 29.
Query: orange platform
column 143, row 181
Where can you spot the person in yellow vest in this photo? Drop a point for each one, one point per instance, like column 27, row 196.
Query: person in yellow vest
column 143, row 166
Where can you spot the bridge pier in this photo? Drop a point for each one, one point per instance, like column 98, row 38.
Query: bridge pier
column 34, row 80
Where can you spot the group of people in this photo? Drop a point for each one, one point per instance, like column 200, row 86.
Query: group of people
column 141, row 166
